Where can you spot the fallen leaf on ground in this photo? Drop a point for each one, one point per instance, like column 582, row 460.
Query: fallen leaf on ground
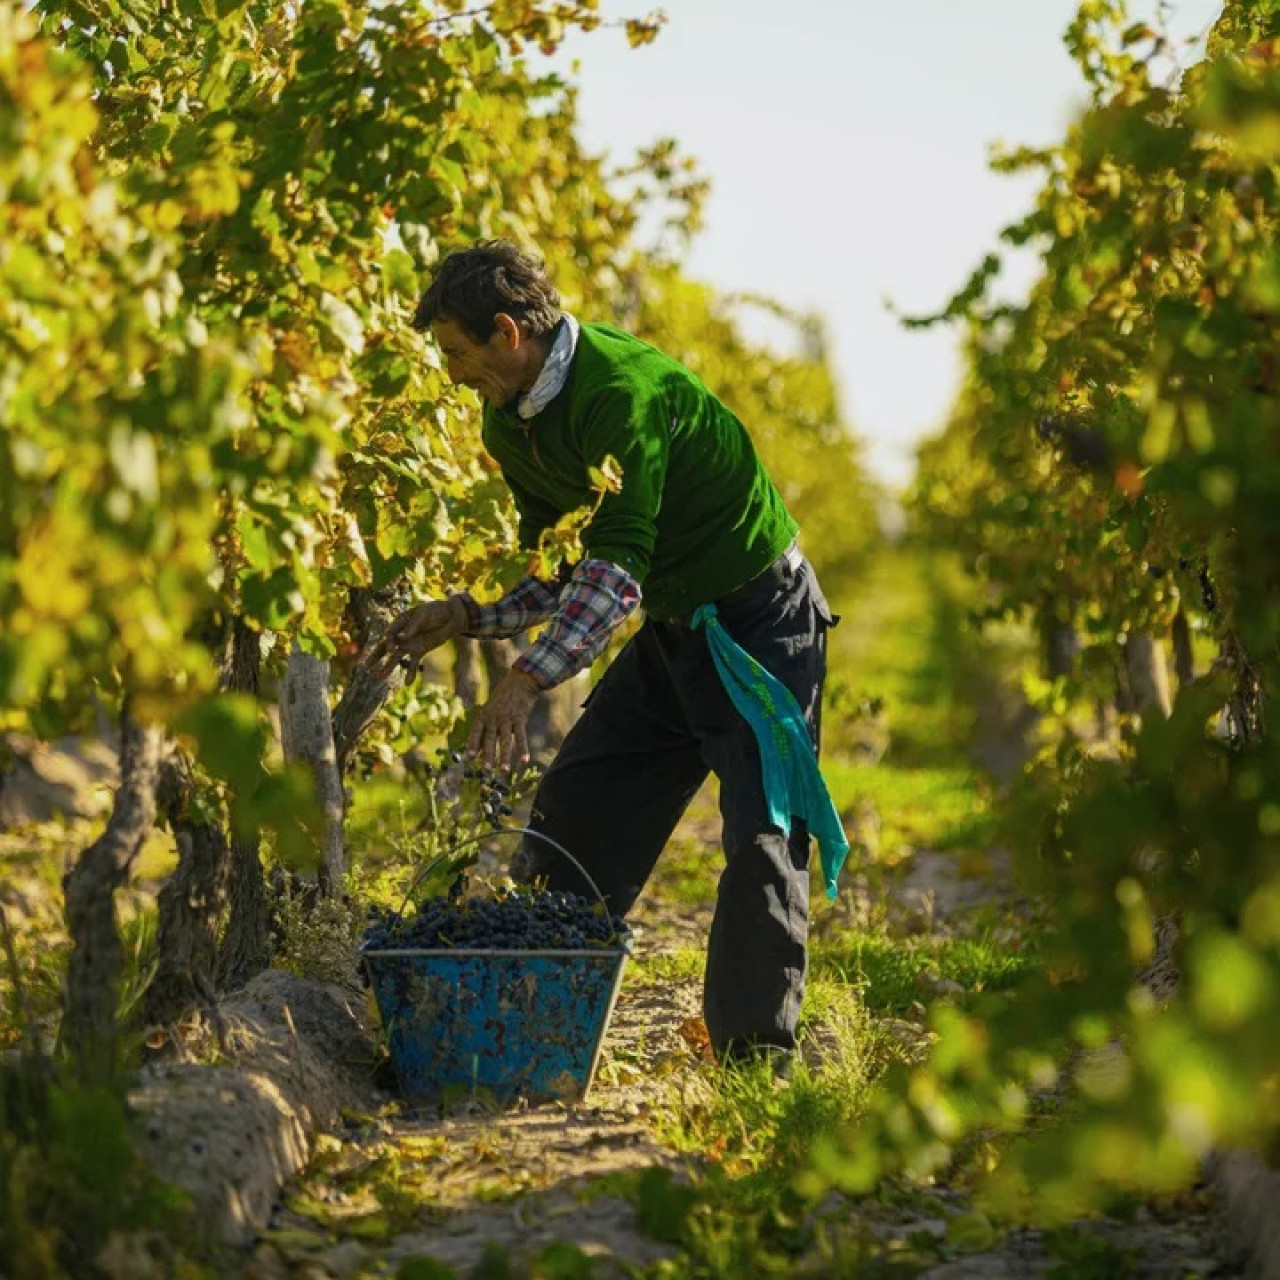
column 693, row 1031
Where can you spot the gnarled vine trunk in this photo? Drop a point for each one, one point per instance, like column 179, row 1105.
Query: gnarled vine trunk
column 91, row 991
column 364, row 696
column 191, row 901
column 306, row 732
column 246, row 944
column 1148, row 674
column 1061, row 650
column 1059, row 643
column 1243, row 719
column 1184, row 663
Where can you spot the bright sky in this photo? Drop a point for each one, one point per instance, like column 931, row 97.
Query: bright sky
column 846, row 144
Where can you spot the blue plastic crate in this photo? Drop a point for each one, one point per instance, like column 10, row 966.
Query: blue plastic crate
column 515, row 1023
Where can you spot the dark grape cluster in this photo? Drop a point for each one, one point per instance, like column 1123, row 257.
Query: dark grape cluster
column 1208, row 592
column 495, row 790
column 1082, row 444
column 517, row 921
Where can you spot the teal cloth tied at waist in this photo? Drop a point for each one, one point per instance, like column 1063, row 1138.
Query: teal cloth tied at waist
column 793, row 784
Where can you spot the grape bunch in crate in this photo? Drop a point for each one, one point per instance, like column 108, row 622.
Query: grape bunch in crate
column 515, row 920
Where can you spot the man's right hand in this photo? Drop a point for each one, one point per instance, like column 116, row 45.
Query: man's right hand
column 414, row 634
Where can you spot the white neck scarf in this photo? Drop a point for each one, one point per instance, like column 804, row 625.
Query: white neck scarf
column 555, row 372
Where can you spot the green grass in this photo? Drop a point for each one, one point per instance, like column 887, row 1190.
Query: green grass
column 666, row 966
column 905, row 646
column 893, row 974
column 898, row 643
column 740, row 1208
column 752, row 1124
column 689, row 870
column 930, row 807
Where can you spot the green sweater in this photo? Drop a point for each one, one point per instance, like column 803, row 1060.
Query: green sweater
column 697, row 514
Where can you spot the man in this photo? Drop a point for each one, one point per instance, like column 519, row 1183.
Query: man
column 696, row 522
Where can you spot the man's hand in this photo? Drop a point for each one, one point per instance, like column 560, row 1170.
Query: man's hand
column 414, row 634
column 498, row 728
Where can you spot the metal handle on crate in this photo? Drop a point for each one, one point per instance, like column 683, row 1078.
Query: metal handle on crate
column 489, row 835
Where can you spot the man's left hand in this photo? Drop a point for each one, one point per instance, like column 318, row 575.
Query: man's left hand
column 498, row 728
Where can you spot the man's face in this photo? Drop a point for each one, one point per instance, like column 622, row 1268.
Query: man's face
column 493, row 369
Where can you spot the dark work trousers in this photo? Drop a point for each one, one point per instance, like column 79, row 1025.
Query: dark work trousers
column 656, row 723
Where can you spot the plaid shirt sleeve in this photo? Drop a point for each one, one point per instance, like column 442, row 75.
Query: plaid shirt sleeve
column 599, row 597
column 529, row 602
